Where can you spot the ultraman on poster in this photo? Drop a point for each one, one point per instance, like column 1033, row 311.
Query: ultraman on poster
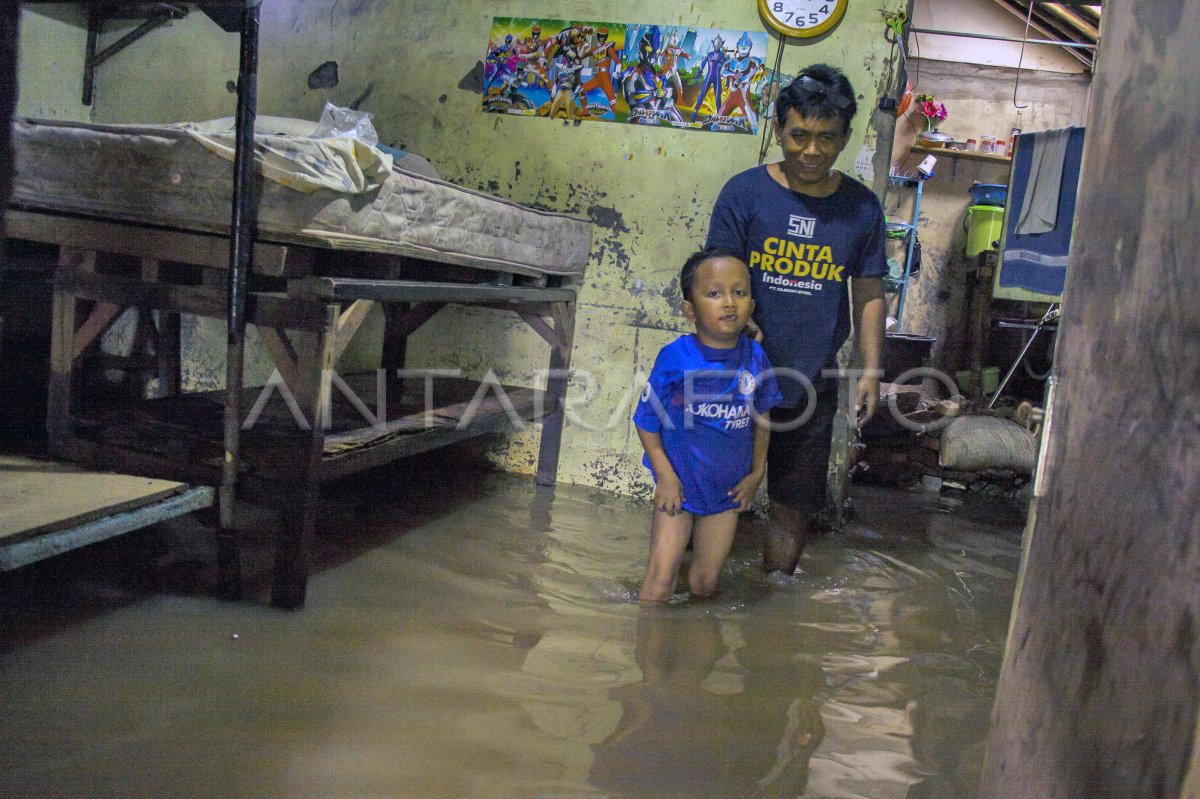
column 660, row 75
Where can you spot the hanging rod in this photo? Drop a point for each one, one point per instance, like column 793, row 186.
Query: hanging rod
column 1001, row 38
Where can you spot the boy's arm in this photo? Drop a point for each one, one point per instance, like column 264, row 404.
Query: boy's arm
column 743, row 493
column 668, row 490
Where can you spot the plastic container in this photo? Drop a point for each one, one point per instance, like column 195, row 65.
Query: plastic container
column 989, row 194
column 985, row 225
column 904, row 351
column 989, row 379
column 987, row 144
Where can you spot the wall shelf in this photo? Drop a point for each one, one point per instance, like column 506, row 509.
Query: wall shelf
column 966, row 155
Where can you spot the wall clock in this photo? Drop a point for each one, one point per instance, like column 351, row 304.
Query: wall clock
column 802, row 19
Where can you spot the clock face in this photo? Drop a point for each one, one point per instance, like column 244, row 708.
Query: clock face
column 802, row 18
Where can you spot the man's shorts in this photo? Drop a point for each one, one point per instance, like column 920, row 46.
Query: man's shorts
column 798, row 459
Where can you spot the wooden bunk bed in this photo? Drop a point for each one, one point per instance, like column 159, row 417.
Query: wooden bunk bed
column 307, row 287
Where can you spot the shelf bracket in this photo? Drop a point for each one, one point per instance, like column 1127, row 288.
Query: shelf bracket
column 157, row 14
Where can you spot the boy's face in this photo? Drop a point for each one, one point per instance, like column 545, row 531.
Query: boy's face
column 720, row 303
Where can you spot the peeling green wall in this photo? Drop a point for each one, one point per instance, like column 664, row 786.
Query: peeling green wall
column 50, row 66
column 648, row 192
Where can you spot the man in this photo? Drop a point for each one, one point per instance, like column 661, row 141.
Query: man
column 812, row 237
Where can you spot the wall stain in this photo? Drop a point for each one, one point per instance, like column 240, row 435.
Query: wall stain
column 473, row 80
column 357, row 102
column 324, row 77
column 605, row 217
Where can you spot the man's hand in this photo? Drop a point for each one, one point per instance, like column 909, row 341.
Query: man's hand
column 866, row 398
column 753, row 331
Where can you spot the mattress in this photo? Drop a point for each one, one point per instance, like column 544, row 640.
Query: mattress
column 352, row 197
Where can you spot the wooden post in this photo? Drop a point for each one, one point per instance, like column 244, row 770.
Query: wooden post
column 1098, row 689
column 316, row 355
column 556, row 389
column 59, row 426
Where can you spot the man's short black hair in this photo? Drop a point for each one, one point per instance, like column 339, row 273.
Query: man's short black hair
column 818, row 92
column 687, row 275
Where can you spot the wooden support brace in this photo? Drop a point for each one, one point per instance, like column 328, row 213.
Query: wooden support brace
column 283, row 354
column 99, row 322
column 542, row 329
column 348, row 324
column 563, row 314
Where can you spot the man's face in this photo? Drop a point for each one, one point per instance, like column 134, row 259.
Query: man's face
column 810, row 146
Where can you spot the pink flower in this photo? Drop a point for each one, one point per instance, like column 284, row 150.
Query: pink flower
column 933, row 109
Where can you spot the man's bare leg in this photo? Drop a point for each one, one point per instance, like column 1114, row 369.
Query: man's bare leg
column 787, row 533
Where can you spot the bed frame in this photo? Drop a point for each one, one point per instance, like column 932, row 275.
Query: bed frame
column 307, row 303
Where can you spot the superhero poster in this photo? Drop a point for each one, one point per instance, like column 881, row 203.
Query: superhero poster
column 659, row 75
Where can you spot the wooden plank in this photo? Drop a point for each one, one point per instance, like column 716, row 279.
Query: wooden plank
column 965, row 155
column 489, row 417
column 330, row 289
column 115, row 523
column 262, row 309
column 141, row 241
column 37, row 497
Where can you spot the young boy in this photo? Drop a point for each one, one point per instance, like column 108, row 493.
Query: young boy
column 696, row 421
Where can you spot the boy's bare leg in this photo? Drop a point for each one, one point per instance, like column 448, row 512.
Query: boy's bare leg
column 712, row 538
column 787, row 532
column 668, row 540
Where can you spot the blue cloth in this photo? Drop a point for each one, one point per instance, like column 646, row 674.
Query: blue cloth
column 705, row 420
column 1037, row 262
column 801, row 250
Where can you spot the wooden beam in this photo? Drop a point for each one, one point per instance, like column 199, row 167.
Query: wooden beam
column 283, row 354
column 141, row 241
column 330, row 289
column 99, row 321
column 263, row 309
column 348, row 323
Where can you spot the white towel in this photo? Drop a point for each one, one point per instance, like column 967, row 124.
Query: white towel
column 1039, row 206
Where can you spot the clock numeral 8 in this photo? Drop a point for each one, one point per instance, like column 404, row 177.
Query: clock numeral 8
column 778, row 7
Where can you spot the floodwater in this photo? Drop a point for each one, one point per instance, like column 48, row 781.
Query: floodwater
column 469, row 635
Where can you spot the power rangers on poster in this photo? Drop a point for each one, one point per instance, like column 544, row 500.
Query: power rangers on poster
column 661, row 75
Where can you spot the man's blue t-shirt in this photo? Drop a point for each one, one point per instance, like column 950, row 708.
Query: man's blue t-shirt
column 699, row 400
column 801, row 251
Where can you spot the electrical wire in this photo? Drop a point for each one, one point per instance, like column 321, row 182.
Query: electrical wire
column 767, row 120
column 1021, row 57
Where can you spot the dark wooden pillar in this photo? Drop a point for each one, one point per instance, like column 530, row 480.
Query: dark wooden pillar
column 1100, row 685
column 10, row 14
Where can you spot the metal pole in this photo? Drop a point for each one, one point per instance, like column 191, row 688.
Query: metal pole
column 1052, row 313
column 241, row 235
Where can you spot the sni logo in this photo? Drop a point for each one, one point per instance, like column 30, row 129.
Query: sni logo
column 801, row 227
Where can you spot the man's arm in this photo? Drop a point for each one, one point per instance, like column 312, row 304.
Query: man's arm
column 870, row 312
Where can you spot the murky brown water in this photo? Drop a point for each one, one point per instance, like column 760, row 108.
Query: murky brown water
column 488, row 646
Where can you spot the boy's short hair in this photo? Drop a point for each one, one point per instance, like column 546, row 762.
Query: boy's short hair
column 687, row 275
column 818, row 92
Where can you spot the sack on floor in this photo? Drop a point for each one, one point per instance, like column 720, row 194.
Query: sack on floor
column 974, row 443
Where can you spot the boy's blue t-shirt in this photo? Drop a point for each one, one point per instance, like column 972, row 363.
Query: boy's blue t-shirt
column 699, row 399
column 802, row 252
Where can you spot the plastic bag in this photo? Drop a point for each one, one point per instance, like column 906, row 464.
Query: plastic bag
column 345, row 123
